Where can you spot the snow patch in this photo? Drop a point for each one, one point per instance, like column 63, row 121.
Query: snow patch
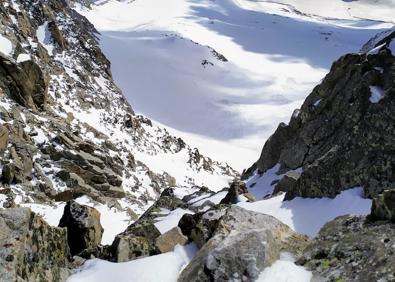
column 164, row 267
column 377, row 93
column 45, row 38
column 51, row 214
column 285, row 270
column 23, row 57
column 170, row 221
column 5, row 45
column 308, row 215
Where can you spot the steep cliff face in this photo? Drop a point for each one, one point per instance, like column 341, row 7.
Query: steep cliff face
column 66, row 129
column 343, row 135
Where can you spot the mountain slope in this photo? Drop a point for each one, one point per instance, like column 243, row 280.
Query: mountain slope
column 67, row 130
column 275, row 55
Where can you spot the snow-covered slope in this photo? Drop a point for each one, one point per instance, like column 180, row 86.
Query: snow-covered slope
column 164, row 60
column 343, row 9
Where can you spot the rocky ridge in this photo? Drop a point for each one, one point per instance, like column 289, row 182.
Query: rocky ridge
column 343, row 135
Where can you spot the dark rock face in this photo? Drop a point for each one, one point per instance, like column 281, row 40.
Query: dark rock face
column 25, row 82
column 237, row 189
column 339, row 137
column 83, row 226
column 383, row 207
column 351, row 248
column 31, row 250
column 241, row 245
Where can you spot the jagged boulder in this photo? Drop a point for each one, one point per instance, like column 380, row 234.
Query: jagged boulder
column 351, row 248
column 57, row 35
column 31, row 250
column 383, row 207
column 83, row 226
column 242, row 245
column 139, row 240
column 25, row 82
column 200, row 227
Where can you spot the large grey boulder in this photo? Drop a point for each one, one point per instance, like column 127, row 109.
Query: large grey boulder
column 243, row 244
column 31, row 250
column 83, row 226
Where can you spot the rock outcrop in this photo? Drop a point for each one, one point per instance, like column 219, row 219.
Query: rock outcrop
column 236, row 191
column 351, row 248
column 138, row 240
column 344, row 135
column 84, row 230
column 31, row 250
